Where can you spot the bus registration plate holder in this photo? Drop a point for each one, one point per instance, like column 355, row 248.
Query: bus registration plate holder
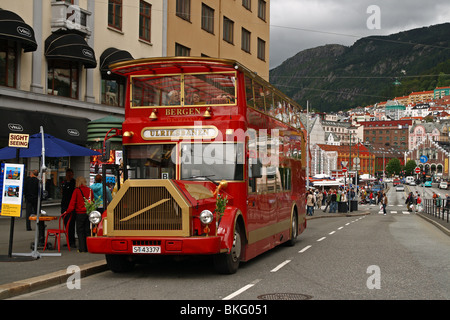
column 147, row 249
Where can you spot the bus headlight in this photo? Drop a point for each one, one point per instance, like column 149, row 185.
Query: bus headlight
column 206, row 217
column 95, row 217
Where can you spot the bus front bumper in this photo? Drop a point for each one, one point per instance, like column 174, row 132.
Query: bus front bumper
column 155, row 245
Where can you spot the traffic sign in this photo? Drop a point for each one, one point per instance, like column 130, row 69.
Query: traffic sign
column 423, row 159
column 417, row 170
column 344, row 169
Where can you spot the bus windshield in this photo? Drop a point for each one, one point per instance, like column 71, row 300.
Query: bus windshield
column 218, row 160
column 184, row 89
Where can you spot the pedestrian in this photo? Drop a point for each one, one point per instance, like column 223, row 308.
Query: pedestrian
column 384, row 202
column 447, row 203
column 319, row 200
column 410, row 202
column 67, row 188
column 31, row 191
column 97, row 188
column 333, row 203
column 309, row 203
column 81, row 194
column 419, row 207
column 328, row 200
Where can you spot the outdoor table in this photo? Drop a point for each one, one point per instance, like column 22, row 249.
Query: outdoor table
column 42, row 219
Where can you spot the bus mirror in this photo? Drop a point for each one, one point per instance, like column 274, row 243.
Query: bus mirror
column 256, row 170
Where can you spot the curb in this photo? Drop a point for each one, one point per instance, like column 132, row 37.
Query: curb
column 435, row 223
column 41, row 282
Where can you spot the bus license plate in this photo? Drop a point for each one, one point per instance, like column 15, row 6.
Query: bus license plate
column 146, row 249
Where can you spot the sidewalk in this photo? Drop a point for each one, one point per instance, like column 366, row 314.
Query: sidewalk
column 20, row 277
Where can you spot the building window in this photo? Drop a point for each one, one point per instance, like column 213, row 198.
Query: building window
column 115, row 14
column 113, row 92
column 183, row 9
column 182, row 51
column 207, row 18
column 8, row 64
column 62, row 78
column 262, row 10
column 245, row 45
column 261, row 49
column 145, row 19
column 228, row 30
column 247, row 4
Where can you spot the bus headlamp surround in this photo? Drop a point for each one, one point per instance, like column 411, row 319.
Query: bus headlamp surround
column 206, row 217
column 95, row 217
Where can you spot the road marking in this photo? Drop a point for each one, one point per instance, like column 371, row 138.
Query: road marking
column 393, row 211
column 406, row 212
column 304, row 249
column 340, row 228
column 281, row 265
column 238, row 292
column 332, row 232
column 321, row 238
column 347, row 224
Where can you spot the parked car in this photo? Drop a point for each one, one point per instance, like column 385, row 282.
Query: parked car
column 443, row 185
column 399, row 187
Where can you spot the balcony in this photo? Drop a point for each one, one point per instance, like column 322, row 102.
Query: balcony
column 69, row 17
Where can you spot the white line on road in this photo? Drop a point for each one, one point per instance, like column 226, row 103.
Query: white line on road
column 238, row 292
column 332, row 232
column 321, row 238
column 281, row 265
column 340, row 228
column 304, row 249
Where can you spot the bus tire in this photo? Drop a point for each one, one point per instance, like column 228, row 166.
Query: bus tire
column 228, row 263
column 294, row 230
column 118, row 263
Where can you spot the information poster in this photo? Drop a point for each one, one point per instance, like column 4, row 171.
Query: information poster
column 12, row 190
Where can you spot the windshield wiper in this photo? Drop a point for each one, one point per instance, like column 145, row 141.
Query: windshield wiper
column 205, row 177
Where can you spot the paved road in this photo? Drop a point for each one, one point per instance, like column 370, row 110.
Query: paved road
column 397, row 256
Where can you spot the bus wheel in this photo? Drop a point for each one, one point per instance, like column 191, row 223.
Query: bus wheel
column 294, row 230
column 119, row 263
column 228, row 263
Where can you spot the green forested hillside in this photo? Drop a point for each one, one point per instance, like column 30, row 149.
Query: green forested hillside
column 335, row 77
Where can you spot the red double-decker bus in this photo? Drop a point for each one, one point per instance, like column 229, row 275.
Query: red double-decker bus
column 213, row 164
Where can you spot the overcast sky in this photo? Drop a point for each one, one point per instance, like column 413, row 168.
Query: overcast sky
column 297, row 25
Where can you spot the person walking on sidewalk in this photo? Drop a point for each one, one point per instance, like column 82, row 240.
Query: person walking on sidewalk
column 77, row 204
column 309, row 203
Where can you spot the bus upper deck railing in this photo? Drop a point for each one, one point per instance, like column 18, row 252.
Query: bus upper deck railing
column 438, row 208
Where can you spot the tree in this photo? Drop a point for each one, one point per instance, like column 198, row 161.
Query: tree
column 393, row 166
column 409, row 167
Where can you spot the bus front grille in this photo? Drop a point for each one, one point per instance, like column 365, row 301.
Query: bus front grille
column 144, row 208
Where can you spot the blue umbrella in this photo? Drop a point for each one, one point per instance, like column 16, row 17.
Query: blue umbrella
column 54, row 147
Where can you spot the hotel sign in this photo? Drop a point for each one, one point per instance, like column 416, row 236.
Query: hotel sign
column 176, row 133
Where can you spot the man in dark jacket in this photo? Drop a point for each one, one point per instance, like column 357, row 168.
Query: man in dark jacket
column 31, row 191
column 67, row 188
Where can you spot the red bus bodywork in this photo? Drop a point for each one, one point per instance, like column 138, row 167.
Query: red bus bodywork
column 161, row 216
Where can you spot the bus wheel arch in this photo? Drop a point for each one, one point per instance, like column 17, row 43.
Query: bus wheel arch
column 235, row 241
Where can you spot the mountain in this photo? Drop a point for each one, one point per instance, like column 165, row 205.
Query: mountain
column 335, row 77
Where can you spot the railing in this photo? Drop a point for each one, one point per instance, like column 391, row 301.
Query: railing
column 439, row 209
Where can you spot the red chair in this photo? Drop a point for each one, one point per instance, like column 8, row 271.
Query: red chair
column 63, row 228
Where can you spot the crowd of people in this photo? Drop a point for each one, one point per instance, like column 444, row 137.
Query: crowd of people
column 332, row 197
